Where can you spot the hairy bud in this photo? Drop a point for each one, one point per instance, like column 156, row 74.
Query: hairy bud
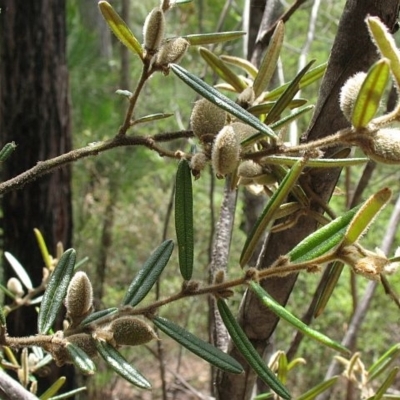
column 243, row 131
column 225, row 151
column 219, row 276
column 246, row 98
column 249, row 169
column 79, row 297
column 153, row 30
column 206, row 119
column 198, row 162
column 130, row 331
column 349, row 93
column 85, row 342
column 172, row 51
column 15, row 286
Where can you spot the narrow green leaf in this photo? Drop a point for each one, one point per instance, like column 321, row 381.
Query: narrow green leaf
column 386, row 384
column 211, row 38
column 365, row 215
column 268, row 214
column 370, row 94
column 264, row 396
column 98, row 315
column 81, row 360
column 283, row 313
column 118, row 363
column 324, row 239
column 7, row 150
column 148, row 274
column 43, row 248
column 315, row 162
column 310, row 77
column 179, row 2
column 19, row 270
column 120, row 29
column 197, row 346
column 265, row 107
column 69, row 394
column 287, row 96
column 383, row 362
column 245, row 347
column 220, row 100
column 386, row 44
column 3, row 321
column 318, row 389
column 184, row 218
column 56, row 290
column 269, row 61
column 222, row 70
column 54, row 388
column 242, row 63
column 151, row 117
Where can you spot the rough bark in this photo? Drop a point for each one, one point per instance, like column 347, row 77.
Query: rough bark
column 352, row 51
column 34, row 112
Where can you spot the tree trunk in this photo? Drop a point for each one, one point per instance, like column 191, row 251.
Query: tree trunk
column 352, row 51
column 34, row 112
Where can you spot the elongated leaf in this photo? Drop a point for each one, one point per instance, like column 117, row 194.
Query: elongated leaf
column 365, row 215
column 386, row 384
column 19, row 270
column 242, row 63
column 370, row 94
column 268, row 214
column 220, row 100
column 245, row 347
column 43, row 248
column 210, row 38
column 222, row 70
column 56, row 290
column 287, row 96
column 310, row 77
column 69, row 394
column 383, row 362
column 203, row 349
column 98, row 315
column 151, row 117
column 148, row 274
column 265, row 107
column 315, row 162
column 120, row 29
column 270, row 60
column 283, row 313
column 7, row 150
column 118, row 363
column 386, row 45
column 81, row 360
column 318, row 389
column 184, row 218
column 54, row 388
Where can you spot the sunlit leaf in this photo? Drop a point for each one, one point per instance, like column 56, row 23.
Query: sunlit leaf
column 81, row 360
column 54, row 388
column 120, row 29
column 242, row 63
column 283, row 313
column 118, row 363
column 365, row 215
column 19, row 270
column 268, row 214
column 69, row 394
column 220, row 100
column 148, row 274
column 269, row 60
column 315, row 162
column 198, row 346
column 56, row 290
column 388, row 382
column 184, row 218
column 370, row 94
column 151, row 117
column 222, row 70
column 318, row 389
column 383, row 362
column 43, row 248
column 210, row 38
column 247, row 350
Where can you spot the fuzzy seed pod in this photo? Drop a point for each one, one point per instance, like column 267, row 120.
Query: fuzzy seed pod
column 225, row 151
column 243, row 131
column 153, row 30
column 131, row 331
column 382, row 146
column 219, row 276
column 246, row 98
column 172, row 51
column 15, row 286
column 79, row 296
column 349, row 93
column 249, row 169
column 198, row 162
column 85, row 342
column 206, row 119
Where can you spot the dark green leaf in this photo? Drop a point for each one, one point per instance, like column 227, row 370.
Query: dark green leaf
column 249, row 352
column 118, row 363
column 56, row 290
column 6, row 151
column 199, row 347
column 210, row 38
column 318, row 389
column 98, row 314
column 148, row 274
column 81, row 360
column 184, row 218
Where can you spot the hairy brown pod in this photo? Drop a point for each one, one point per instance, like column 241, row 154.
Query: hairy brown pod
column 79, row 299
column 349, row 93
column 172, row 51
column 153, row 30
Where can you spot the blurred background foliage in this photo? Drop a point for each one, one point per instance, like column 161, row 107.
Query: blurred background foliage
column 122, row 198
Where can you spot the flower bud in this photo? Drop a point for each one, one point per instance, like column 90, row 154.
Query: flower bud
column 349, row 93
column 172, row 51
column 243, row 131
column 246, row 98
column 198, row 162
column 249, row 169
column 15, row 286
column 219, row 276
column 153, row 30
column 206, row 119
column 79, row 297
column 225, row 151
column 131, row 331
